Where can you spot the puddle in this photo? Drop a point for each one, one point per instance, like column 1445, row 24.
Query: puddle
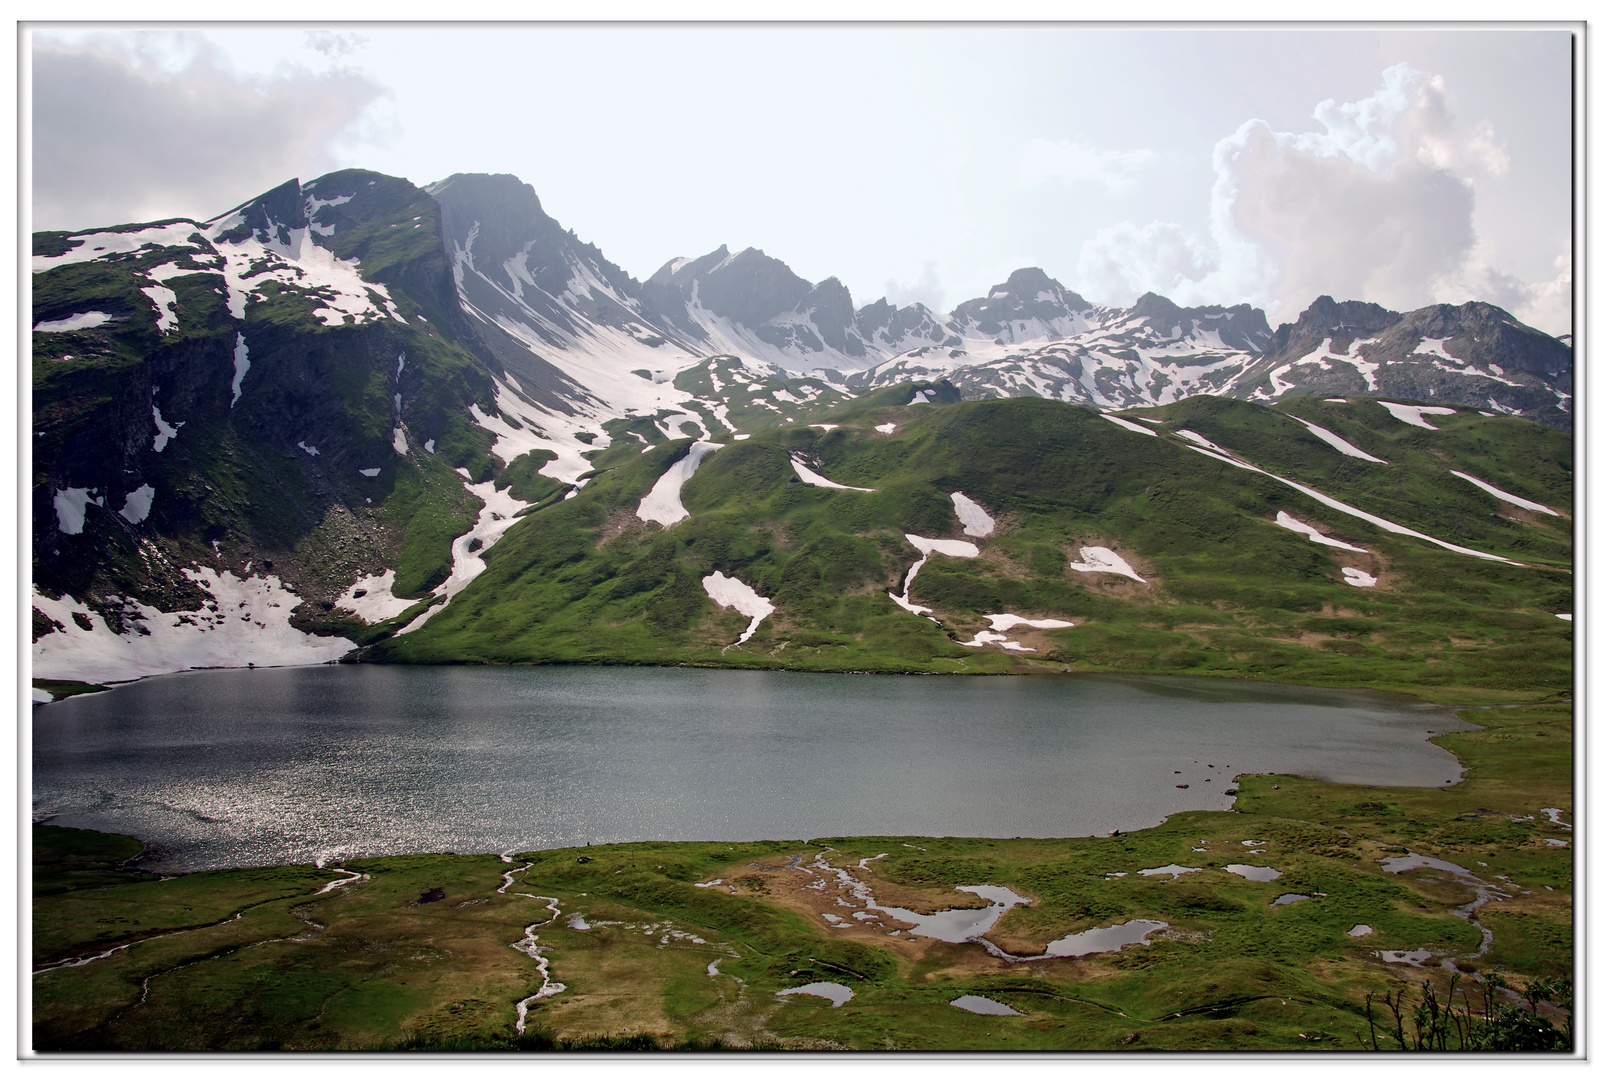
column 983, row 1006
column 1361, row 930
column 1172, row 869
column 958, row 925
column 1254, row 873
column 834, row 992
column 1397, row 864
column 1290, row 898
column 1102, row 939
column 1414, row 956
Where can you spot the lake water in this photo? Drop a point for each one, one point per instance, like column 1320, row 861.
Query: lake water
column 238, row 768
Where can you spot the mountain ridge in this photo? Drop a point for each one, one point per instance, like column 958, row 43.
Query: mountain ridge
column 336, row 402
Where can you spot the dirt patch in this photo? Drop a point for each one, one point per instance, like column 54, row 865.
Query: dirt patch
column 621, row 522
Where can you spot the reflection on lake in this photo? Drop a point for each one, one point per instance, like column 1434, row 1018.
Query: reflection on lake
column 228, row 768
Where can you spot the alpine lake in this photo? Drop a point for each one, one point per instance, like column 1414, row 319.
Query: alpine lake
column 371, row 857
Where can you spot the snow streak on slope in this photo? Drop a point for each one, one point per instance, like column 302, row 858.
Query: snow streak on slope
column 1337, row 442
column 1516, row 500
column 663, row 503
column 1337, row 504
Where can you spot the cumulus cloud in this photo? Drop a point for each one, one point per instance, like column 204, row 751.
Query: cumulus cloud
column 1376, row 206
column 138, row 127
column 1066, row 160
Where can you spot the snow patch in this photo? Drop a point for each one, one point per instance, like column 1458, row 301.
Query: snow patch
column 1337, row 442
column 1416, row 414
column 377, row 604
column 1100, row 560
column 663, row 503
column 974, row 518
column 1286, row 521
column 242, row 365
column 1358, row 577
column 1516, row 500
column 369, row 472
column 816, row 479
column 164, row 431
column 1000, row 623
column 1127, row 425
column 399, row 440
column 312, row 451
column 164, row 298
column 729, row 592
column 70, row 504
column 959, row 549
column 886, row 429
column 84, row 320
column 248, row 622
column 137, row 504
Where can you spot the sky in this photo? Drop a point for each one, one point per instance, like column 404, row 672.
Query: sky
column 1213, row 166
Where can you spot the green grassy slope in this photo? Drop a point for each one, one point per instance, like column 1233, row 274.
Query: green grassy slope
column 1227, row 591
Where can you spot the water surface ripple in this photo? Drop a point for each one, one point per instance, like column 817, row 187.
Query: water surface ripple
column 234, row 768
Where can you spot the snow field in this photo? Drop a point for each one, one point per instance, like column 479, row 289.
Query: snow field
column 1516, row 500
column 729, row 592
column 94, row 245
column 974, row 518
column 1100, row 560
column 1286, row 521
column 663, row 503
column 247, row 623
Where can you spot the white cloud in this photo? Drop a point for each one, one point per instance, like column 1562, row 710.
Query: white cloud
column 1376, row 206
column 1123, row 261
column 925, row 290
column 1114, row 170
column 137, row 127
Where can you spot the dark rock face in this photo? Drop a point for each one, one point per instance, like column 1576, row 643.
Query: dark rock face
column 1474, row 354
column 752, row 288
column 1027, row 295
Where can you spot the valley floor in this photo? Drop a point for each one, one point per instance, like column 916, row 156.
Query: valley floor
column 687, row 945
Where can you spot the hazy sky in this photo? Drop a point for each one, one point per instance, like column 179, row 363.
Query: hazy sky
column 1213, row 166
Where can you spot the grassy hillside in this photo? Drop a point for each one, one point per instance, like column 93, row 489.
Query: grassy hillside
column 1226, row 592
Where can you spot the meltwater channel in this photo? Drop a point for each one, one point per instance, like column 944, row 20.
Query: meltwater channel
column 241, row 768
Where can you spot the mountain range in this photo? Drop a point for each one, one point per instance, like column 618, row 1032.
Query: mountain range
column 308, row 426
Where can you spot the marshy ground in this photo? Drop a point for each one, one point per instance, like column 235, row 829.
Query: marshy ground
column 417, row 952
